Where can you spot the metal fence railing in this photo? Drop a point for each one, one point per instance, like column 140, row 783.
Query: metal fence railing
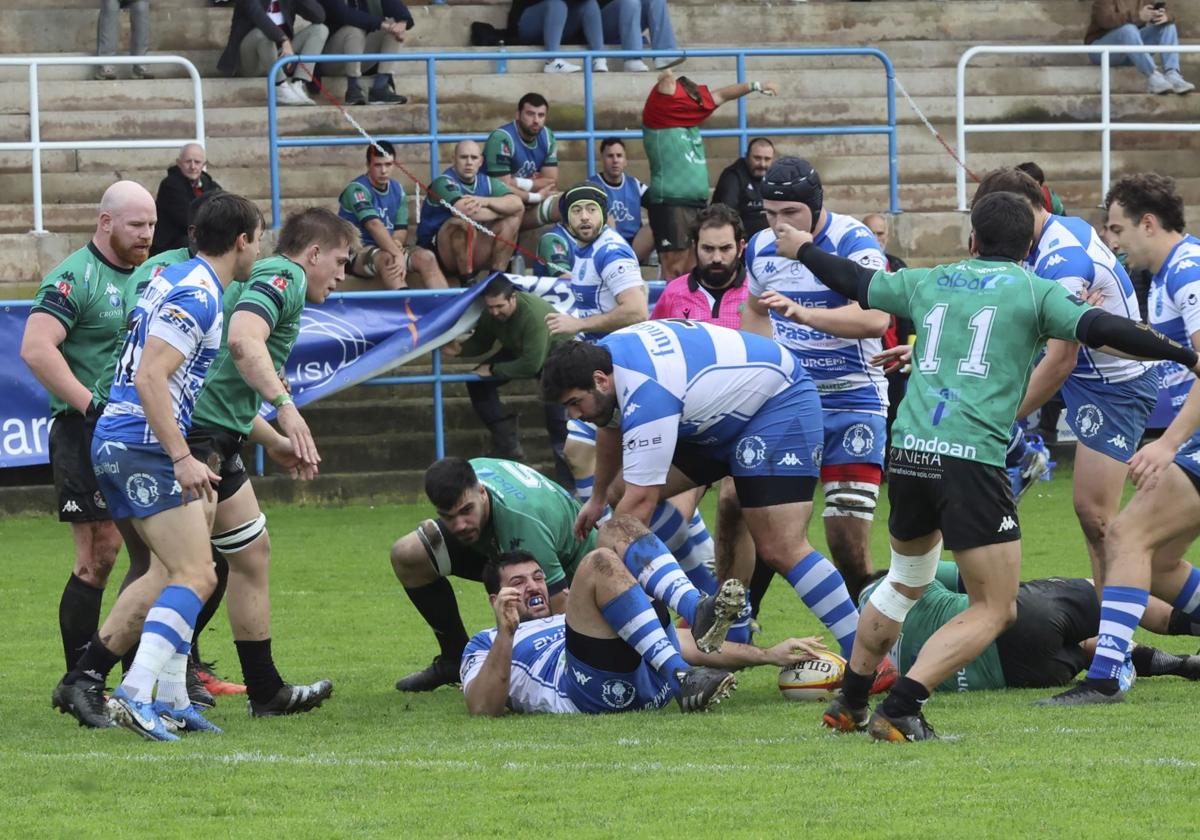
column 1105, row 126
column 590, row 131
column 35, row 144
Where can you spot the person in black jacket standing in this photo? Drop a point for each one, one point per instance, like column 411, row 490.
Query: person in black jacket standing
column 738, row 185
column 185, row 182
column 263, row 31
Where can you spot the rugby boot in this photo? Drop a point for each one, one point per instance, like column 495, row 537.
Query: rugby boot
column 293, row 699
column 1083, row 693
column 137, row 717
column 715, row 614
column 186, row 720
column 216, row 686
column 84, row 701
column 702, row 688
column 1034, row 464
column 198, row 693
column 907, row 728
column 842, row 717
column 885, row 676
column 441, row 671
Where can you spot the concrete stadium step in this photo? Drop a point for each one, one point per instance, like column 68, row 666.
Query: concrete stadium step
column 177, row 28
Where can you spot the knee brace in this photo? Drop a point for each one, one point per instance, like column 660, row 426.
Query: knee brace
column 431, row 538
column 916, row 572
column 851, row 498
column 236, row 539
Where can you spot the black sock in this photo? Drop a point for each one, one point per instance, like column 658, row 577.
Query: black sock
column 78, row 617
column 1152, row 662
column 1182, row 624
column 437, row 605
column 127, row 659
column 94, row 664
column 258, row 669
column 906, row 698
column 214, row 600
column 382, row 81
column 856, row 687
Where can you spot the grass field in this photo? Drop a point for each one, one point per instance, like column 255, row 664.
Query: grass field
column 374, row 762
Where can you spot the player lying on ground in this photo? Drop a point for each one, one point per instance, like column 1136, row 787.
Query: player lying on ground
column 1050, row 642
column 613, row 650
column 946, row 473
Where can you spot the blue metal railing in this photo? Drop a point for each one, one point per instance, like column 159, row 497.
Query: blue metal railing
column 589, row 132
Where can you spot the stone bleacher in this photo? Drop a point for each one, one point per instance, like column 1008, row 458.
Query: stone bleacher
column 924, row 38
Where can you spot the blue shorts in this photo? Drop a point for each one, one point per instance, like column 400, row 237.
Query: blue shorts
column 1111, row 417
column 137, row 479
column 785, row 437
column 595, row 691
column 854, row 437
column 581, row 432
column 1188, row 458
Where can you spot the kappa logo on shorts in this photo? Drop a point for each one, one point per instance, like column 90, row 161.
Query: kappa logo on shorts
column 750, row 451
column 142, row 489
column 1089, row 418
column 580, row 677
column 72, row 507
column 1118, row 441
column 790, row 459
column 859, row 440
column 1006, row 524
column 617, row 694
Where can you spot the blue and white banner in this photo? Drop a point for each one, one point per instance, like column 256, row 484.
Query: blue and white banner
column 342, row 343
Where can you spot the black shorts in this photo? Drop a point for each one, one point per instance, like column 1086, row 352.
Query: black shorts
column 672, row 225
column 615, row 655
column 969, row 502
column 467, row 563
column 753, row 491
column 79, row 496
column 1041, row 649
column 222, row 451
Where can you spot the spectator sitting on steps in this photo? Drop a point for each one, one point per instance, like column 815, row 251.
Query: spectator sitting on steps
column 139, row 35
column 364, row 27
column 1132, row 23
column 185, row 182
column 263, row 31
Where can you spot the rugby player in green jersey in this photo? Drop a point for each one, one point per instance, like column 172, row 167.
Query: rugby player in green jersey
column 1051, row 640
column 980, row 325
column 485, row 507
column 73, row 328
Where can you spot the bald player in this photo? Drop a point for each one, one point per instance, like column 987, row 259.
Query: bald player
column 70, row 335
column 461, row 249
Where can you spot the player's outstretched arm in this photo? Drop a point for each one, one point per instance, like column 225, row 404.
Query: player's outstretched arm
column 1132, row 340
column 844, row 276
column 734, row 655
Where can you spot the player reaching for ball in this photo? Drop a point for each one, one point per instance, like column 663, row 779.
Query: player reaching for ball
column 613, row 650
column 980, row 323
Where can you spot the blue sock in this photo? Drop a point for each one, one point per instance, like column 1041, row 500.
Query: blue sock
column 1121, row 609
column 668, row 525
column 583, row 488
column 820, row 586
column 633, row 618
column 167, row 631
column 1188, row 599
column 649, row 561
column 1017, row 446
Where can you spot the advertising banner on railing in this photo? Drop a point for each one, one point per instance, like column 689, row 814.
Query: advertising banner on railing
column 24, row 403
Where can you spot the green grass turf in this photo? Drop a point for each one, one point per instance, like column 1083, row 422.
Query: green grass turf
column 374, row 762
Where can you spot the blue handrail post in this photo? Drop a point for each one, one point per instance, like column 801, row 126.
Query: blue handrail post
column 741, row 103
column 273, row 141
column 589, row 117
column 893, row 154
column 439, row 434
column 431, row 94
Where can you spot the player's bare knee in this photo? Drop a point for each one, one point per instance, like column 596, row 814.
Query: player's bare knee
column 620, row 531
column 413, row 562
column 603, row 562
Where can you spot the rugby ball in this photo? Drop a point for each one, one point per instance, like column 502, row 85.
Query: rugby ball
column 815, row 679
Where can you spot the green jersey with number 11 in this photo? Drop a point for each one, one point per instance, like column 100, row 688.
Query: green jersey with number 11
column 980, row 326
